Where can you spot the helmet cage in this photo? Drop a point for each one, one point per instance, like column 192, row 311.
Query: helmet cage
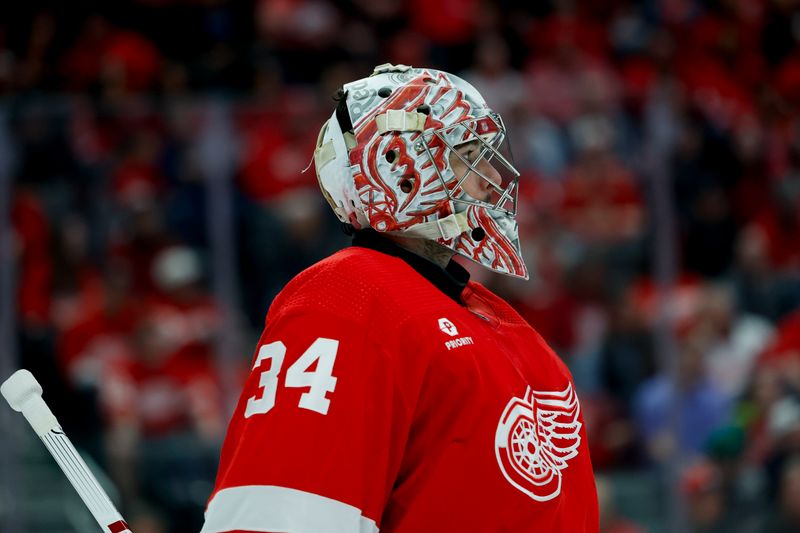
column 491, row 137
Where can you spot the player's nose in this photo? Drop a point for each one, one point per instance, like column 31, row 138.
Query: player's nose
column 488, row 170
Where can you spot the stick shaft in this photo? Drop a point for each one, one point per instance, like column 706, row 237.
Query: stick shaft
column 24, row 394
column 84, row 482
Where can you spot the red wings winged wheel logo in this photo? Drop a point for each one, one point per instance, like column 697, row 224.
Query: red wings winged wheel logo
column 536, row 437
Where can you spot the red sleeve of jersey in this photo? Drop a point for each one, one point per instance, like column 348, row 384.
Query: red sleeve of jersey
column 316, row 440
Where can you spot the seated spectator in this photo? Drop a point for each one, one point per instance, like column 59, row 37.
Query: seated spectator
column 601, row 203
column 31, row 240
column 787, row 517
column 117, row 60
column 570, row 67
column 765, row 390
column 274, row 155
column 159, row 390
column 759, row 289
column 164, row 413
column 627, row 357
column 736, row 339
column 783, row 353
column 545, row 302
column 709, row 233
column 139, row 240
column 704, row 491
column 181, row 304
column 779, row 224
column 610, row 520
column 701, row 407
column 494, row 77
column 100, row 333
column 77, row 283
column 613, row 441
column 138, row 179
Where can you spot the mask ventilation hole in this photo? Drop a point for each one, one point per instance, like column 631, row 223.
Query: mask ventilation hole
column 406, row 185
column 478, row 234
column 391, row 155
column 384, row 92
column 425, row 109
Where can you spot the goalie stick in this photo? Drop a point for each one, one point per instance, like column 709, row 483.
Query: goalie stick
column 24, row 394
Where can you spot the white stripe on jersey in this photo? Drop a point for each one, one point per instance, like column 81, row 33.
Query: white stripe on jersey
column 271, row 508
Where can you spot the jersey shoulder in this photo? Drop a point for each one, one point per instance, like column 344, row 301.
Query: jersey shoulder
column 359, row 284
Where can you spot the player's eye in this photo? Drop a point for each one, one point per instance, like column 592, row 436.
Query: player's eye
column 469, row 155
column 468, row 152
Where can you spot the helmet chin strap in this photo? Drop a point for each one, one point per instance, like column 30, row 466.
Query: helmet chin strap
column 446, row 228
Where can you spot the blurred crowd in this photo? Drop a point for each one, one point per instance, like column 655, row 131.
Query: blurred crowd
column 659, row 145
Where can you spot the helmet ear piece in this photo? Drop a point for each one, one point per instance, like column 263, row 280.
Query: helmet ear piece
column 324, row 153
column 332, row 166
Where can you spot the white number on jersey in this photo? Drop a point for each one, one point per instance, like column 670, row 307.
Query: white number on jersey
column 320, row 381
column 275, row 352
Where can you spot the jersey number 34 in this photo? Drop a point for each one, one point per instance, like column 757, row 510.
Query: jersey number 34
column 320, row 380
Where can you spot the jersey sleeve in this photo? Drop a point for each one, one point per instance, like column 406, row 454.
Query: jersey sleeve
column 316, row 440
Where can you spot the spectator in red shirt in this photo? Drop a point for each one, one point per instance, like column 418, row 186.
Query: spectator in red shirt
column 188, row 317
column 165, row 420
column 104, row 53
column 602, row 203
column 779, row 224
column 32, row 241
column 100, row 334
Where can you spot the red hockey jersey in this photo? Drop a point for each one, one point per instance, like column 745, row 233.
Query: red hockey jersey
column 378, row 403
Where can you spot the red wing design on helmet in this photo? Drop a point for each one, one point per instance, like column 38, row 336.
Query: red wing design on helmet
column 495, row 250
column 390, row 208
column 536, row 437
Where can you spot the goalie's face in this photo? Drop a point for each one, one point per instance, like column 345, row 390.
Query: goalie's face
column 479, row 159
column 479, row 181
column 481, row 185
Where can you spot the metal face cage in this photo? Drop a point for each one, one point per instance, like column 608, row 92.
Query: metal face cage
column 467, row 144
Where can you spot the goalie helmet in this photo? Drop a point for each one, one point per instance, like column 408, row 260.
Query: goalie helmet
column 392, row 168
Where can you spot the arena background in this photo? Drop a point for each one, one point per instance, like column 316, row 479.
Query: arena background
column 152, row 203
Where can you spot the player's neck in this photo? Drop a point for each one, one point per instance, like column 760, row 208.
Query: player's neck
column 430, row 250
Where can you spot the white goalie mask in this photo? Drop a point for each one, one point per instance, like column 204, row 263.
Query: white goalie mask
column 394, row 171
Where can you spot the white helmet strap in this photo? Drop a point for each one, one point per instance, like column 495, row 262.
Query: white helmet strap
column 446, row 228
column 400, row 120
